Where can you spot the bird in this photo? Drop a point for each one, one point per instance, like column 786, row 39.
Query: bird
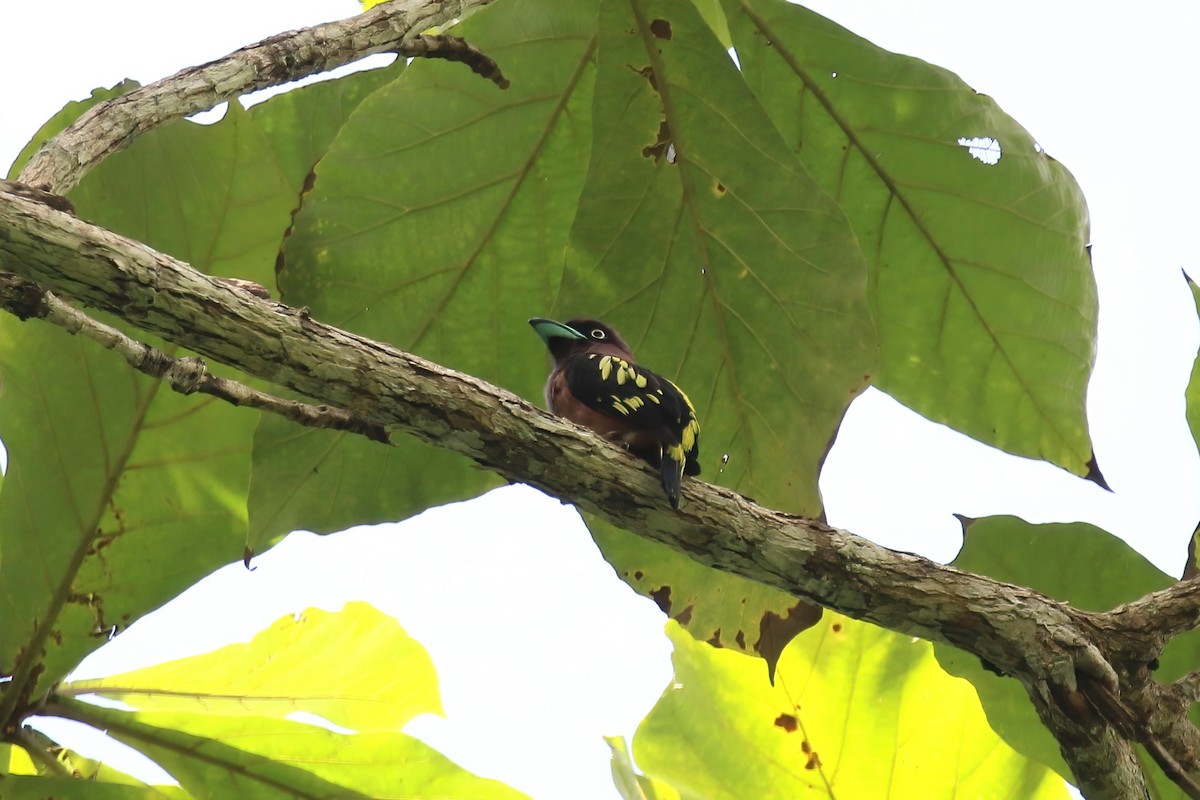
column 596, row 383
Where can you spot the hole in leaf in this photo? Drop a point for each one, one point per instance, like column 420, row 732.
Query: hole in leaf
column 984, row 148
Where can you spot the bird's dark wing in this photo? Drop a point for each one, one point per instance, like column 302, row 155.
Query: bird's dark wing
column 613, row 386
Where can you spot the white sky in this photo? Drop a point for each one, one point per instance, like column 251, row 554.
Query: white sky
column 540, row 649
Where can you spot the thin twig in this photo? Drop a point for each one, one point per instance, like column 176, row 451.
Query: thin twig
column 188, row 375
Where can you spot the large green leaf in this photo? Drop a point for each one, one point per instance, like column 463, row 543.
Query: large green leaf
column 254, row 758
column 1013, row 550
column 728, row 269
column 57, row 787
column 301, row 124
column 846, row 693
column 121, row 493
column 981, row 281
column 211, row 195
column 731, row 271
column 437, row 222
column 293, row 485
column 373, row 676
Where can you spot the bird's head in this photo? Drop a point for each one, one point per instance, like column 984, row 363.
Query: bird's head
column 580, row 336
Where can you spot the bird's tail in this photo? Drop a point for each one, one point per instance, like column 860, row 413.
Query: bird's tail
column 670, row 467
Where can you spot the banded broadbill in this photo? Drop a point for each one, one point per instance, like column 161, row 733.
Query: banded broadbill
column 596, row 383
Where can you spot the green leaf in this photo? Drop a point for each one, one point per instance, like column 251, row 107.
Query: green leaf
column 1192, row 395
column 700, row 236
column 1110, row 573
column 325, row 481
column 301, row 124
column 437, row 222
column 722, row 609
column 211, row 195
column 298, row 472
column 69, row 113
column 121, row 493
column 981, row 282
column 253, row 758
column 1192, row 398
column 845, row 693
column 55, row 787
column 373, row 676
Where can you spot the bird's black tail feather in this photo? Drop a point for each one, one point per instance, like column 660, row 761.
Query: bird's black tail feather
column 672, row 477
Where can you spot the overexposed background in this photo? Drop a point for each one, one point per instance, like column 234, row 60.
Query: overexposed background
column 539, row 648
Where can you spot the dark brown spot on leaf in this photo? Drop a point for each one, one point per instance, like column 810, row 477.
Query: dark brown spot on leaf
column 837, row 627
column 806, row 747
column 662, row 596
column 787, row 722
column 715, row 639
column 685, row 616
column 637, row 575
column 774, row 632
column 659, row 149
column 661, row 28
column 740, row 639
column 814, row 761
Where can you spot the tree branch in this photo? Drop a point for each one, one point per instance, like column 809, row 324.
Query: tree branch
column 110, row 126
column 1159, row 616
column 1052, row 648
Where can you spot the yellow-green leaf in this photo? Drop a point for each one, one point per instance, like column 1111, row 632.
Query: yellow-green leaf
column 845, row 693
column 254, row 758
column 356, row 668
column 59, row 787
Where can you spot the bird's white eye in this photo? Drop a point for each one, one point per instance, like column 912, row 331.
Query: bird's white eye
column 597, row 334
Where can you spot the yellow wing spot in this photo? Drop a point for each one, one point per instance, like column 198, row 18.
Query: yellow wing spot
column 640, row 380
column 690, row 432
column 634, row 402
column 619, row 406
column 676, row 453
column 660, row 392
column 605, row 367
column 654, row 399
column 622, row 374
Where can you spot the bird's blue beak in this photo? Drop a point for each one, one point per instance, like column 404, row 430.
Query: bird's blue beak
column 549, row 329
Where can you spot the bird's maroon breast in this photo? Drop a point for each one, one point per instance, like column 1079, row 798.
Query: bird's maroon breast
column 618, row 429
